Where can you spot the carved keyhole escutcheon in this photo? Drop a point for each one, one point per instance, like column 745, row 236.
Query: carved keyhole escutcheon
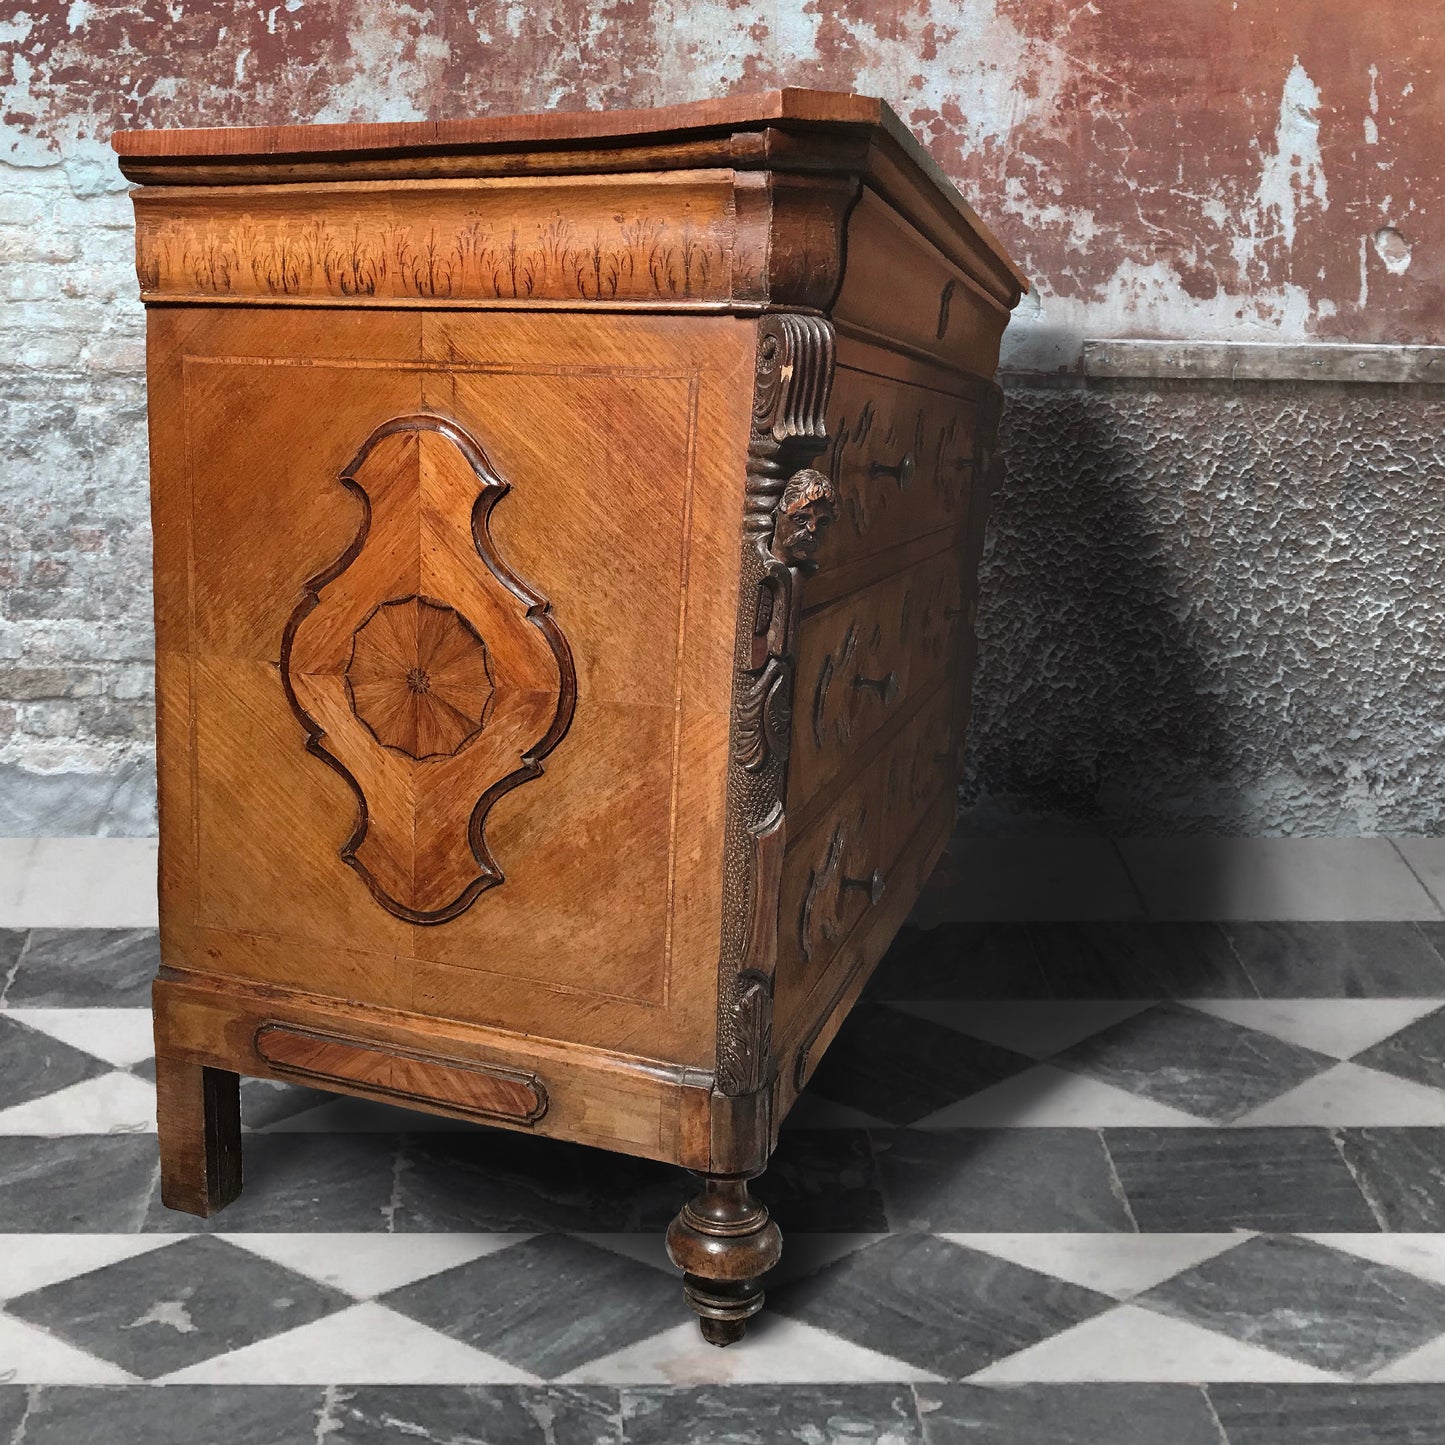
column 433, row 685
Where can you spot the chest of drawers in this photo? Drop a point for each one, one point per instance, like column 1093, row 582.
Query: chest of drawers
column 566, row 531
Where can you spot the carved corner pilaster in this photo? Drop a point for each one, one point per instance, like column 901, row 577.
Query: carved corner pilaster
column 788, row 509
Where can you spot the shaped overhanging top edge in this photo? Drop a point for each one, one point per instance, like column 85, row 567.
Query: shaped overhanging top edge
column 148, row 156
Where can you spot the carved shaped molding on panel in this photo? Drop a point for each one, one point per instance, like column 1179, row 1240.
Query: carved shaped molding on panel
column 433, row 686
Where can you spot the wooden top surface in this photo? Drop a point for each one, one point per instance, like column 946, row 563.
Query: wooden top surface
column 672, row 136
column 820, row 107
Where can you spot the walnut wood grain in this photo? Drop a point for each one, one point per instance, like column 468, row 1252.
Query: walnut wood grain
column 780, row 128
column 486, row 1091
column 198, row 1120
column 566, row 547
column 429, row 721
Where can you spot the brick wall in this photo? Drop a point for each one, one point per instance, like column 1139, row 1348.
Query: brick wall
column 76, row 681
column 1211, row 170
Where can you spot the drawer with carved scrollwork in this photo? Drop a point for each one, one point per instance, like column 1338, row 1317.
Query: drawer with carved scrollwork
column 863, row 661
column 901, row 457
column 839, row 865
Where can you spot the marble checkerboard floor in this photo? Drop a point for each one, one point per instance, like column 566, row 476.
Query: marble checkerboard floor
column 1085, row 1184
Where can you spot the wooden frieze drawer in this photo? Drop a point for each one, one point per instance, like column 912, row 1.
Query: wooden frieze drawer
column 564, row 576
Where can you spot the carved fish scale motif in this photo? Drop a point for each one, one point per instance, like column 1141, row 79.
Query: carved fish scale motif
column 432, row 685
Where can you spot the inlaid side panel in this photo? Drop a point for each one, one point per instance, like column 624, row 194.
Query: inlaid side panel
column 477, row 559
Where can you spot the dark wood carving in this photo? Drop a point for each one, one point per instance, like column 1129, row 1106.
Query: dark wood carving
column 788, row 510
column 487, row 1091
column 724, row 1242
column 400, row 695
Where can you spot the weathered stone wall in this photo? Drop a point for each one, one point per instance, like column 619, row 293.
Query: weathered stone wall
column 1215, row 608
column 1163, row 647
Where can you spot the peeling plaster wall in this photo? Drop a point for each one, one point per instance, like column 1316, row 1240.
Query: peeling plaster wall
column 1209, row 169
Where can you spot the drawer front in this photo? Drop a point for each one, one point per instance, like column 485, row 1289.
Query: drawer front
column 864, row 660
column 839, row 867
column 901, row 460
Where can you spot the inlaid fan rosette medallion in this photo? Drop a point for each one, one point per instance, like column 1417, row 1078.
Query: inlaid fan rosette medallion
column 424, row 670
column 418, row 677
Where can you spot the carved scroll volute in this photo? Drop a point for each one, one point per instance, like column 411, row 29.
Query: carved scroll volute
column 430, row 676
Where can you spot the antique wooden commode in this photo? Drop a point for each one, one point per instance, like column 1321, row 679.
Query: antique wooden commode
column 532, row 748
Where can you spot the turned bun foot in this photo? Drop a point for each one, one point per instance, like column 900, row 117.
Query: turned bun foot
column 724, row 1242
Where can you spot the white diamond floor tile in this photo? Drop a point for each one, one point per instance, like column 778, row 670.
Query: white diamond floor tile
column 1273, row 879
column 1048, row 1098
column 776, row 1351
column 78, row 882
column 1138, row 1345
column 110, row 1104
column 1352, row 1096
column 30, row 1356
column 1426, row 857
column 1340, row 1027
column 120, row 1036
column 366, row 1265
column 1038, row 1028
column 366, row 1344
column 32, row 1261
column 1115, row 1264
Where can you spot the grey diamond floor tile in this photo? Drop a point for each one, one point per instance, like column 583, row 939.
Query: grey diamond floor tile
column 485, row 1414
column 1332, row 1310
column 935, row 1304
column 14, row 1405
column 1339, row 960
column 175, row 1415
column 1193, row 1061
column 87, row 1183
column 823, row 1180
column 546, row 1305
column 898, row 1067
column 771, row 1415
column 33, row 1064
column 1091, row 1414
column 998, row 1179
column 1330, row 1414
column 1218, row 1179
column 86, row 968
column 1139, row 960
column 299, row 1183
column 961, row 961
column 1401, row 1173
column 12, row 944
column 1417, row 1052
column 171, row 1307
column 493, row 1180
